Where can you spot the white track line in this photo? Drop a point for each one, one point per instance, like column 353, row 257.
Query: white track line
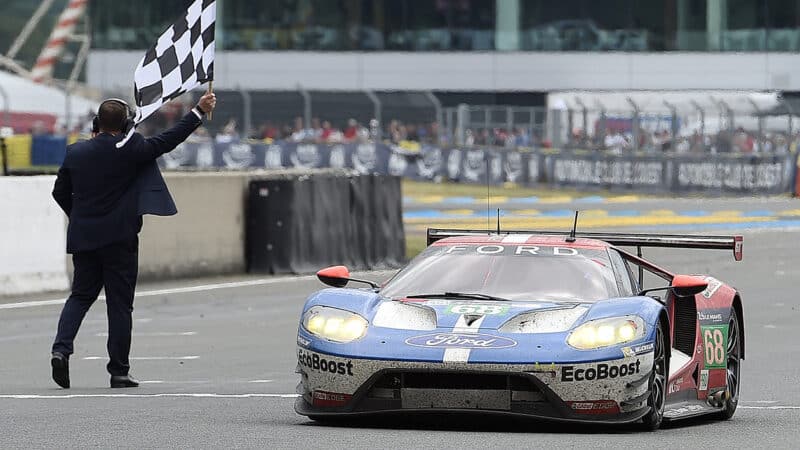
column 175, row 395
column 260, row 381
column 771, row 407
column 155, row 334
column 145, row 358
column 180, row 290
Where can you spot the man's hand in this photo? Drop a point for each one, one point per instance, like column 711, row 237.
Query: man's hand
column 207, row 102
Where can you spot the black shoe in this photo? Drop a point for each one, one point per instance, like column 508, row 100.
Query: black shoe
column 60, row 365
column 123, row 381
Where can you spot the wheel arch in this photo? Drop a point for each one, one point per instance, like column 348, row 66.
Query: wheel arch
column 663, row 319
column 737, row 306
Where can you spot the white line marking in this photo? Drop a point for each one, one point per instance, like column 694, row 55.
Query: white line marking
column 181, row 290
column 151, row 382
column 760, row 401
column 770, row 326
column 177, row 395
column 145, row 358
column 771, row 407
column 159, row 333
column 260, row 381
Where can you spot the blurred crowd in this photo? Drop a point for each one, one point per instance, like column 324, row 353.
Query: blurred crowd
column 412, row 136
column 724, row 141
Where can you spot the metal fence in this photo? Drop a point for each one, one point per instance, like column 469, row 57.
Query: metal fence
column 615, row 123
column 758, row 123
column 740, row 124
column 319, row 115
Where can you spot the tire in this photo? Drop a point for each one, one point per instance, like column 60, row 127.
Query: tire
column 734, row 367
column 658, row 384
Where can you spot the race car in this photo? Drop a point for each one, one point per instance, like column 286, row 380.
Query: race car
column 539, row 324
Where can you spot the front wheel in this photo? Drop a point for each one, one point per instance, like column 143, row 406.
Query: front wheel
column 658, row 382
column 734, row 367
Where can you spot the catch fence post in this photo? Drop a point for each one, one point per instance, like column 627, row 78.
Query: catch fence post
column 635, row 124
column 247, row 112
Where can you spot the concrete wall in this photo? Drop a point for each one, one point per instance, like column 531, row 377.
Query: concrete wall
column 32, row 237
column 490, row 71
column 207, row 235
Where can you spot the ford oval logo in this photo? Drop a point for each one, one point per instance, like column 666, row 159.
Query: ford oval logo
column 457, row 340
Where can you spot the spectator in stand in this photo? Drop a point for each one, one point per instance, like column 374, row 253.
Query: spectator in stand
column 268, row 131
column 374, row 130
column 436, row 137
column 326, row 132
column 229, row 132
column 353, row 131
column 469, row 138
column 299, row 133
column 316, row 129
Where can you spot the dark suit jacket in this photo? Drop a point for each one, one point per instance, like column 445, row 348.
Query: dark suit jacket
column 104, row 189
column 154, row 197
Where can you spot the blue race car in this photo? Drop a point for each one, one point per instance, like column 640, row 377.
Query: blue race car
column 525, row 323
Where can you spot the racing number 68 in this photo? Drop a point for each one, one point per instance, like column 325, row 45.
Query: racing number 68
column 714, row 343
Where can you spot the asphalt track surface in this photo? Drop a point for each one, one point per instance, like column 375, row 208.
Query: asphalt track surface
column 218, row 358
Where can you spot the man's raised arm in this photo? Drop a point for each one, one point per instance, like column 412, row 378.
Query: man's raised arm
column 153, row 147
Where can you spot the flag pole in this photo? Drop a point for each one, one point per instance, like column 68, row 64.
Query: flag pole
column 211, row 90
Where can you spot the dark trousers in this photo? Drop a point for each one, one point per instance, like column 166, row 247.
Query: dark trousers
column 114, row 267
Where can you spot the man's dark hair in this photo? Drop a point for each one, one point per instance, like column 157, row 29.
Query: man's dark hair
column 112, row 116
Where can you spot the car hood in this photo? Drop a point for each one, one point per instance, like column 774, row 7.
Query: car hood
column 452, row 313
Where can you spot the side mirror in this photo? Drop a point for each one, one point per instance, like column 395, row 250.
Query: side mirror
column 336, row 276
column 688, row 285
column 339, row 276
column 682, row 286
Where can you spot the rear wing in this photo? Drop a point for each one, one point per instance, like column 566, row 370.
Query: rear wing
column 639, row 240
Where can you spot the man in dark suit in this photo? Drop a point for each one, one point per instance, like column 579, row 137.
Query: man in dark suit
column 105, row 185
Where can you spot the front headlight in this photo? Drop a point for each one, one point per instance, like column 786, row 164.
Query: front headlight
column 334, row 324
column 606, row 332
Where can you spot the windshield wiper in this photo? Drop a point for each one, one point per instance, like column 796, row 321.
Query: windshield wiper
column 460, row 295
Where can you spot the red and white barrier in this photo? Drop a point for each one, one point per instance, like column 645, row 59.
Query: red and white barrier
column 43, row 69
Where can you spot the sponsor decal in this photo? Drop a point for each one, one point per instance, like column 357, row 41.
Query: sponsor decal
column 715, row 341
column 638, row 349
column 703, row 380
column 317, row 363
column 515, row 250
column 303, row 342
column 601, row 371
column 456, row 340
column 467, row 308
column 713, row 285
column 709, row 316
column 595, row 407
column 675, row 386
column 322, row 398
column 238, row 156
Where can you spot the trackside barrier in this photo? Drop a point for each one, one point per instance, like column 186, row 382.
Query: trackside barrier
column 710, row 174
column 309, row 218
column 33, row 238
column 300, row 223
column 206, row 237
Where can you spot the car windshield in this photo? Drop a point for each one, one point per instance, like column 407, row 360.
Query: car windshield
column 514, row 272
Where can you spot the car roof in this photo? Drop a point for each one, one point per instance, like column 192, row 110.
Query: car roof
column 522, row 239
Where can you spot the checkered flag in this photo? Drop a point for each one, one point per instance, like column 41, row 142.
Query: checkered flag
column 182, row 59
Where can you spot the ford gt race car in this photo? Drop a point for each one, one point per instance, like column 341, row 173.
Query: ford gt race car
column 536, row 324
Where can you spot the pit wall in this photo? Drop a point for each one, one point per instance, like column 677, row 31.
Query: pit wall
column 206, row 237
column 32, row 237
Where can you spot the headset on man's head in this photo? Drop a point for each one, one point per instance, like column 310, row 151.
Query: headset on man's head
column 127, row 122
